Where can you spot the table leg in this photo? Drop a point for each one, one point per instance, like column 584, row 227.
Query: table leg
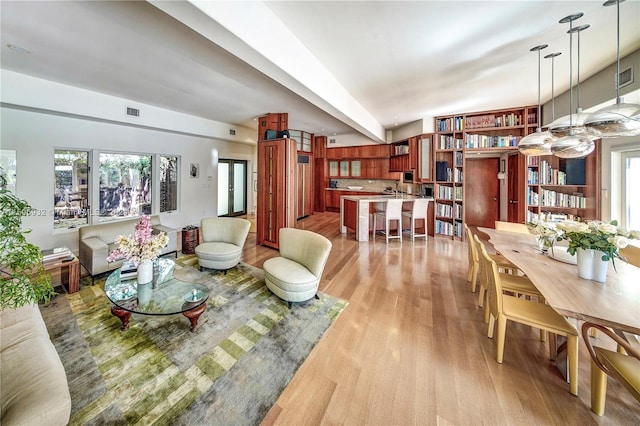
column 123, row 315
column 559, row 349
column 194, row 315
column 73, row 277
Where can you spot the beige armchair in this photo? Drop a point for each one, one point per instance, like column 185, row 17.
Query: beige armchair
column 223, row 239
column 294, row 276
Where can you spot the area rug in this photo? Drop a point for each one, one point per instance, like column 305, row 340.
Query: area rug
column 230, row 371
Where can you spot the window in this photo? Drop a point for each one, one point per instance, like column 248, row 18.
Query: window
column 168, row 183
column 8, row 169
column 70, row 193
column 630, row 177
column 125, row 185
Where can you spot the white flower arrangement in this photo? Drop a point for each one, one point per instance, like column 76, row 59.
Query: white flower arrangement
column 606, row 237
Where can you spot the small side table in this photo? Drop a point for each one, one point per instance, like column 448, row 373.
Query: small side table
column 69, row 273
column 190, row 239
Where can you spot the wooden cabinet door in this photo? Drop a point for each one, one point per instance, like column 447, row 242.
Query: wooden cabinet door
column 320, row 182
column 516, row 187
column 276, row 190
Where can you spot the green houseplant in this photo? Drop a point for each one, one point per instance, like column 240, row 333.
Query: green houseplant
column 22, row 276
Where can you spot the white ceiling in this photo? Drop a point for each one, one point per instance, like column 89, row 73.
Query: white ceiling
column 348, row 67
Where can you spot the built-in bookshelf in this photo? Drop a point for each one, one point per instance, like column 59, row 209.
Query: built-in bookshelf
column 559, row 187
column 457, row 135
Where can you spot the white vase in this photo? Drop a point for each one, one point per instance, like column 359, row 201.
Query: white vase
column 145, row 272
column 591, row 266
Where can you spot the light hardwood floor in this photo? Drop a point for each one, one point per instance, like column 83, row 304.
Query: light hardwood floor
column 411, row 347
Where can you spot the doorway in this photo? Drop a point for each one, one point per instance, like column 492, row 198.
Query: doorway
column 482, row 192
column 232, row 187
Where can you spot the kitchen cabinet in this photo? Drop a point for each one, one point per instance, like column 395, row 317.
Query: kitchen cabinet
column 332, row 197
column 304, row 184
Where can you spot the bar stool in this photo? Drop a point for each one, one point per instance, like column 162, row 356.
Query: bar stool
column 393, row 211
column 418, row 211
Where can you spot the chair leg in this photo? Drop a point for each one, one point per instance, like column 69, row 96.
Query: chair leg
column 501, row 335
column 598, row 389
column 572, row 348
column 486, row 312
column 491, row 326
column 481, row 292
column 474, row 277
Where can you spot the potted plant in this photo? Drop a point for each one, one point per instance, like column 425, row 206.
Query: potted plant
column 595, row 243
column 23, row 280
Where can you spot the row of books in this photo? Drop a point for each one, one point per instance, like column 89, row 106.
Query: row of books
column 443, row 210
column 532, row 118
column 449, row 142
column 548, row 217
column 493, row 120
column 451, row 175
column 400, row 149
column 57, row 254
column 458, row 158
column 547, row 175
column 485, row 141
column 450, row 124
column 550, row 198
column 443, row 228
column 449, row 192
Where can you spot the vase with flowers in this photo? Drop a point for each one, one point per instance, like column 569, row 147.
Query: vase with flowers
column 141, row 248
column 546, row 233
column 595, row 243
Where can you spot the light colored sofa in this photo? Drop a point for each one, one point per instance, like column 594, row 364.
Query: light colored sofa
column 294, row 276
column 97, row 241
column 223, row 239
column 33, row 383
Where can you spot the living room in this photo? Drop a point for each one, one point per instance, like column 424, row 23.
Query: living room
column 40, row 116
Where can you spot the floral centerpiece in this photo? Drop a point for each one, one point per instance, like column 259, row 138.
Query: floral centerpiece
column 605, row 239
column 141, row 248
column 546, row 233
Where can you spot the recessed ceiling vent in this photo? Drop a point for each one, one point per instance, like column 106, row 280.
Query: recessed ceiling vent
column 232, row 132
column 332, row 141
column 625, row 77
column 133, row 112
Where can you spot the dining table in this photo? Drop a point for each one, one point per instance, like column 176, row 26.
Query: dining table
column 614, row 303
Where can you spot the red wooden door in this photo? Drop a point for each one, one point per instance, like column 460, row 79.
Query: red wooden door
column 482, row 192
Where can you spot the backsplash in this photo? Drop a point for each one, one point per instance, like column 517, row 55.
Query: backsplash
column 368, row 184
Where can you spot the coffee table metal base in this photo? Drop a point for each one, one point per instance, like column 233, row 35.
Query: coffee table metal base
column 193, row 315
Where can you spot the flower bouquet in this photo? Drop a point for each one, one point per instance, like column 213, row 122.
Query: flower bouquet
column 601, row 241
column 546, row 233
column 140, row 247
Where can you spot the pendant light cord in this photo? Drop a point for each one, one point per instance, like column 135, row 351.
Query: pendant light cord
column 618, row 52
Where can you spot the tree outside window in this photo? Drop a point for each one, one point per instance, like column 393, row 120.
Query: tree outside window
column 168, row 183
column 125, row 186
column 70, row 193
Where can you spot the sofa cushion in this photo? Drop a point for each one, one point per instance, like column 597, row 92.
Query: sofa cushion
column 218, row 251
column 34, row 383
column 289, row 275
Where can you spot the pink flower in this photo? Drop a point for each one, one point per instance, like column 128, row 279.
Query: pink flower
column 141, row 246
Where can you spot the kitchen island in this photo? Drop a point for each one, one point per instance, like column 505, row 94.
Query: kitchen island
column 356, row 212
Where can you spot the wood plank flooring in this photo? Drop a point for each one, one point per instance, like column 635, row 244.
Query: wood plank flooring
column 411, row 347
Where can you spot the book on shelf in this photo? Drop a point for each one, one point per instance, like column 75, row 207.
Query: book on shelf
column 56, row 254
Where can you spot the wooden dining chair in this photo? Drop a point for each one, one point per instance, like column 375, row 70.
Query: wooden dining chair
column 538, row 315
column 625, row 368
column 520, row 228
column 631, row 254
column 514, row 285
column 418, row 212
column 392, row 212
column 472, row 275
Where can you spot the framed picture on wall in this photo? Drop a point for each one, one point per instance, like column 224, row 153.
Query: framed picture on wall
column 194, row 170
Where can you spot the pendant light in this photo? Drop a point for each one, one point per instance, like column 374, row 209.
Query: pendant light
column 561, row 127
column 553, row 91
column 619, row 119
column 573, row 145
column 538, row 143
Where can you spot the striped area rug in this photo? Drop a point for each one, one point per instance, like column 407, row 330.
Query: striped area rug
column 231, row 371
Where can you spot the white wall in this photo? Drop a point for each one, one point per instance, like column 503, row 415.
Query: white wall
column 35, row 133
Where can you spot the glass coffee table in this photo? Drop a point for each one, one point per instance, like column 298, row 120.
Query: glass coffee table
column 165, row 295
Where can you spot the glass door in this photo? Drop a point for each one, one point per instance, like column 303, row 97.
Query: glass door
column 232, row 187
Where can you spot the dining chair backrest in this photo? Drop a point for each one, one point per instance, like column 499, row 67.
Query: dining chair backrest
column 511, row 227
column 631, row 254
column 394, row 209
column 419, row 210
column 494, row 286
